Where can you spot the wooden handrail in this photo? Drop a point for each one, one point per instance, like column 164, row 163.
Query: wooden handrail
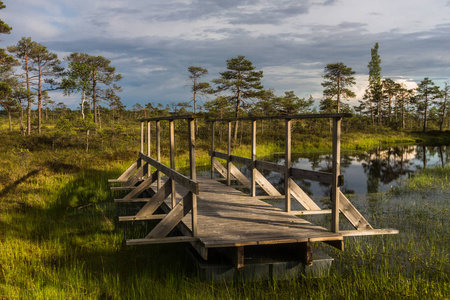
column 189, row 184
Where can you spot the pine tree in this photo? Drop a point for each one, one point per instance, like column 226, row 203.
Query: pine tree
column 242, row 82
column 375, row 85
column 338, row 77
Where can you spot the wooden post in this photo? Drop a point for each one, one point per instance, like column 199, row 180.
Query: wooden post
column 158, row 152
column 193, row 173
column 336, row 173
column 172, row 155
column 253, row 158
column 287, row 165
column 212, row 148
column 142, row 137
column 148, row 138
column 228, row 155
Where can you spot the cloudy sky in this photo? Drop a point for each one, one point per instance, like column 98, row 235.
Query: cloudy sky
column 153, row 42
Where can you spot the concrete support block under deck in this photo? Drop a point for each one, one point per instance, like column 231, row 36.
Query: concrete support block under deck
column 261, row 263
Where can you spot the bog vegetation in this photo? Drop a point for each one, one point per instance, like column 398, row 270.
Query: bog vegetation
column 59, row 235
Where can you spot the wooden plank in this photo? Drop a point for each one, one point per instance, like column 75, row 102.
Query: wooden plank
column 133, row 200
column 137, row 176
column 150, row 207
column 352, row 214
column 168, row 118
column 311, row 212
column 158, row 152
column 265, row 184
column 287, row 166
column 323, row 177
column 253, row 160
column 218, row 155
column 336, row 166
column 122, row 188
column 135, row 218
column 302, row 197
column 141, row 187
column 212, row 147
column 117, row 180
column 172, row 219
column 172, row 155
column 228, row 155
column 368, row 232
column 265, row 165
column 221, row 169
column 166, row 240
column 133, row 168
column 293, row 117
column 238, row 175
column 241, row 160
column 174, row 175
column 193, row 174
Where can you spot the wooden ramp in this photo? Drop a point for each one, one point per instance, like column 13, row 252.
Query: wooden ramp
column 229, row 220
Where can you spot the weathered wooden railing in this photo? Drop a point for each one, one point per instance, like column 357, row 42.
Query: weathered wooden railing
column 340, row 203
column 138, row 179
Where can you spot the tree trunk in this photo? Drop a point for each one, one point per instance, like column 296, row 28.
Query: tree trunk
column 39, row 94
column 9, row 117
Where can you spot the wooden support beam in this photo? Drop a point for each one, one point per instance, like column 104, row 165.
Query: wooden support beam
column 287, row 165
column 238, row 175
column 133, row 180
column 302, row 197
column 122, row 188
column 148, row 138
column 213, row 129
column 339, row 244
column 352, row 214
column 158, row 152
column 125, row 175
column 172, row 155
column 221, row 169
column 253, row 162
column 141, row 187
column 177, row 177
column 368, row 232
column 306, row 252
column 193, row 174
column 166, row 240
column 228, row 155
column 310, row 212
column 336, row 172
column 265, row 184
column 150, row 207
column 173, row 218
column 235, row 255
column 132, row 200
column 146, row 218
column 142, row 136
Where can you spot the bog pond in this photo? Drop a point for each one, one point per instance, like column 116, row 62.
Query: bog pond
column 366, row 172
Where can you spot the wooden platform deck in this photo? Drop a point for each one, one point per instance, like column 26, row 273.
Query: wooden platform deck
column 230, row 220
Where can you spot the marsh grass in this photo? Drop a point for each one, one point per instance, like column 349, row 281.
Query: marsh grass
column 60, row 239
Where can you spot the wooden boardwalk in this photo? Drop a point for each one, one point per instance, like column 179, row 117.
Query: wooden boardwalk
column 215, row 217
column 229, row 218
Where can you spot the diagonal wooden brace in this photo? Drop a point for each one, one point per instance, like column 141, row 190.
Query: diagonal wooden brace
column 141, row 187
column 151, row 206
column 172, row 219
column 352, row 214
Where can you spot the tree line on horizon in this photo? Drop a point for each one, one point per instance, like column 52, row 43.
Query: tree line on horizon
column 237, row 92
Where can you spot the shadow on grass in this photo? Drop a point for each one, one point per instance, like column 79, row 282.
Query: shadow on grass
column 82, row 221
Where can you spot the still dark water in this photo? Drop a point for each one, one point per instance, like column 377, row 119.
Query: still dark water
column 369, row 172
